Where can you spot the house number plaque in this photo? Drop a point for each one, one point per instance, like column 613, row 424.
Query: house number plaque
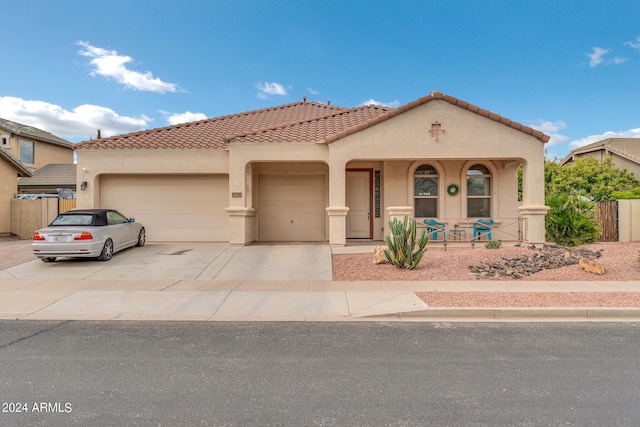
column 237, row 195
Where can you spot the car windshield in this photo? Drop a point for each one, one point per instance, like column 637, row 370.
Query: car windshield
column 73, row 220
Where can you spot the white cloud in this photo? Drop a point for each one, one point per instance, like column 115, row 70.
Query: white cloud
column 634, row 44
column 81, row 123
column 552, row 129
column 313, row 91
column 265, row 89
column 371, row 101
column 598, row 57
column 110, row 64
column 185, row 117
column 631, row 133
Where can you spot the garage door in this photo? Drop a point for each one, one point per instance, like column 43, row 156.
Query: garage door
column 291, row 208
column 172, row 207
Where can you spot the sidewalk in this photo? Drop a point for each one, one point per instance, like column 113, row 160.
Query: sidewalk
column 111, row 297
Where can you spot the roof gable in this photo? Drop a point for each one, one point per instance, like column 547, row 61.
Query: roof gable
column 628, row 148
column 33, row 133
column 434, row 96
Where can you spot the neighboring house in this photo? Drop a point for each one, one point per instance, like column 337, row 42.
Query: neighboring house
column 315, row 172
column 24, row 149
column 624, row 153
column 48, row 179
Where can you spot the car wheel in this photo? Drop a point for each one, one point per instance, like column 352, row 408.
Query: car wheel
column 107, row 251
column 48, row 259
column 142, row 238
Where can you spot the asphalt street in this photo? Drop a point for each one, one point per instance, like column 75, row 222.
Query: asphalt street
column 305, row 374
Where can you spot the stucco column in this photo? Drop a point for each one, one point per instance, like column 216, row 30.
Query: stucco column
column 337, row 211
column 399, row 212
column 241, row 220
column 533, row 209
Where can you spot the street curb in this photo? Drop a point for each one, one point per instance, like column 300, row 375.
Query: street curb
column 531, row 314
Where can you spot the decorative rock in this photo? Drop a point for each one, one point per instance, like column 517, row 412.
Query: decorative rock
column 591, row 266
column 378, row 255
column 547, row 257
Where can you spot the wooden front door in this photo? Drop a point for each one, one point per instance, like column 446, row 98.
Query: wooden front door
column 358, row 200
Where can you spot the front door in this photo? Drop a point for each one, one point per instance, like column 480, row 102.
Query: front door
column 358, row 200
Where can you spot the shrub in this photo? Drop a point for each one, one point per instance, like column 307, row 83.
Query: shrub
column 402, row 243
column 625, row 195
column 571, row 220
column 493, row 244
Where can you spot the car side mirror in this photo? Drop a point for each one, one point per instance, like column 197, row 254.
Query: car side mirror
column 132, row 220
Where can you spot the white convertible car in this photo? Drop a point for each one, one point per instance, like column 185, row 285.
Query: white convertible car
column 97, row 233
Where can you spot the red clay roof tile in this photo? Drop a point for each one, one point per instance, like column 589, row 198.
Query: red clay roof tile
column 302, row 121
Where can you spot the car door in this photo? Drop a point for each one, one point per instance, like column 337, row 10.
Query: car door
column 121, row 230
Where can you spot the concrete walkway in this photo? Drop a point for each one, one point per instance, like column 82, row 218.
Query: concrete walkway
column 257, row 283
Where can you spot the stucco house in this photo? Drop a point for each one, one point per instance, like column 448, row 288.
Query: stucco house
column 624, row 153
column 314, row 172
column 23, row 149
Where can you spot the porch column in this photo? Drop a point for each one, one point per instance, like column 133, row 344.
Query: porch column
column 533, row 209
column 241, row 225
column 337, row 211
column 399, row 212
column 337, row 225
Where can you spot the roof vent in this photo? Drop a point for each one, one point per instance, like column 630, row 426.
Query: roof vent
column 304, row 99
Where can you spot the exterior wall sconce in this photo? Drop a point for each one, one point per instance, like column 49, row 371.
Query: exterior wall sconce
column 83, row 186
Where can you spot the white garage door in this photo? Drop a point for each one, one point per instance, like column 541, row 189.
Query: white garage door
column 172, row 207
column 291, row 208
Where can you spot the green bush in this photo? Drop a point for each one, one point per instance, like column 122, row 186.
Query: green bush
column 622, row 195
column 493, row 244
column 571, row 220
column 402, row 243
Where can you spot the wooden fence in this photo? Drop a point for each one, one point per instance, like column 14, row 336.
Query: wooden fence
column 66, row 204
column 607, row 214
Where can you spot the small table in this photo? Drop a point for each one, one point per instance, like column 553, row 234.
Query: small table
column 457, row 234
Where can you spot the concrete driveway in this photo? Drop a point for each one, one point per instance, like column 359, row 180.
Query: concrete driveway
column 186, row 261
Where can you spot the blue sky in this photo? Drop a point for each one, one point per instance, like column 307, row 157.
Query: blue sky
column 568, row 68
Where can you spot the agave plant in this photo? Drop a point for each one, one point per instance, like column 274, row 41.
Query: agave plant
column 402, row 251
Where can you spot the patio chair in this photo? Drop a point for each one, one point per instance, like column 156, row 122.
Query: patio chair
column 434, row 227
column 482, row 227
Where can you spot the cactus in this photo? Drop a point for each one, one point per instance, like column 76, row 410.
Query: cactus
column 402, row 243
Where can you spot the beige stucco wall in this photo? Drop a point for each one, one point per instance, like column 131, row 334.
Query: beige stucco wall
column 44, row 153
column 8, row 190
column 93, row 163
column 629, row 220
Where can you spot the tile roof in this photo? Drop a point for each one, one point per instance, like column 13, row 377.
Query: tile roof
column 317, row 128
column 213, row 133
column 624, row 147
column 302, row 121
column 31, row 132
column 53, row 175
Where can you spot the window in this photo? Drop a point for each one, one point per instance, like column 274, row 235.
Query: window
column 114, row 218
column 425, row 192
column 4, row 141
column 26, row 152
column 478, row 192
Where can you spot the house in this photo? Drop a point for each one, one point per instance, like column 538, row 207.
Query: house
column 23, row 149
column 48, row 179
column 624, row 153
column 311, row 172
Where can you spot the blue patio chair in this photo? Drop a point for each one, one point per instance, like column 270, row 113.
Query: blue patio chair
column 482, row 227
column 434, row 227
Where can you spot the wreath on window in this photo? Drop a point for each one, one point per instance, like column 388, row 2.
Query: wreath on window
column 453, row 190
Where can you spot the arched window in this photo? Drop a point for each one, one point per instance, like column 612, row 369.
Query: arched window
column 425, row 191
column 478, row 192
